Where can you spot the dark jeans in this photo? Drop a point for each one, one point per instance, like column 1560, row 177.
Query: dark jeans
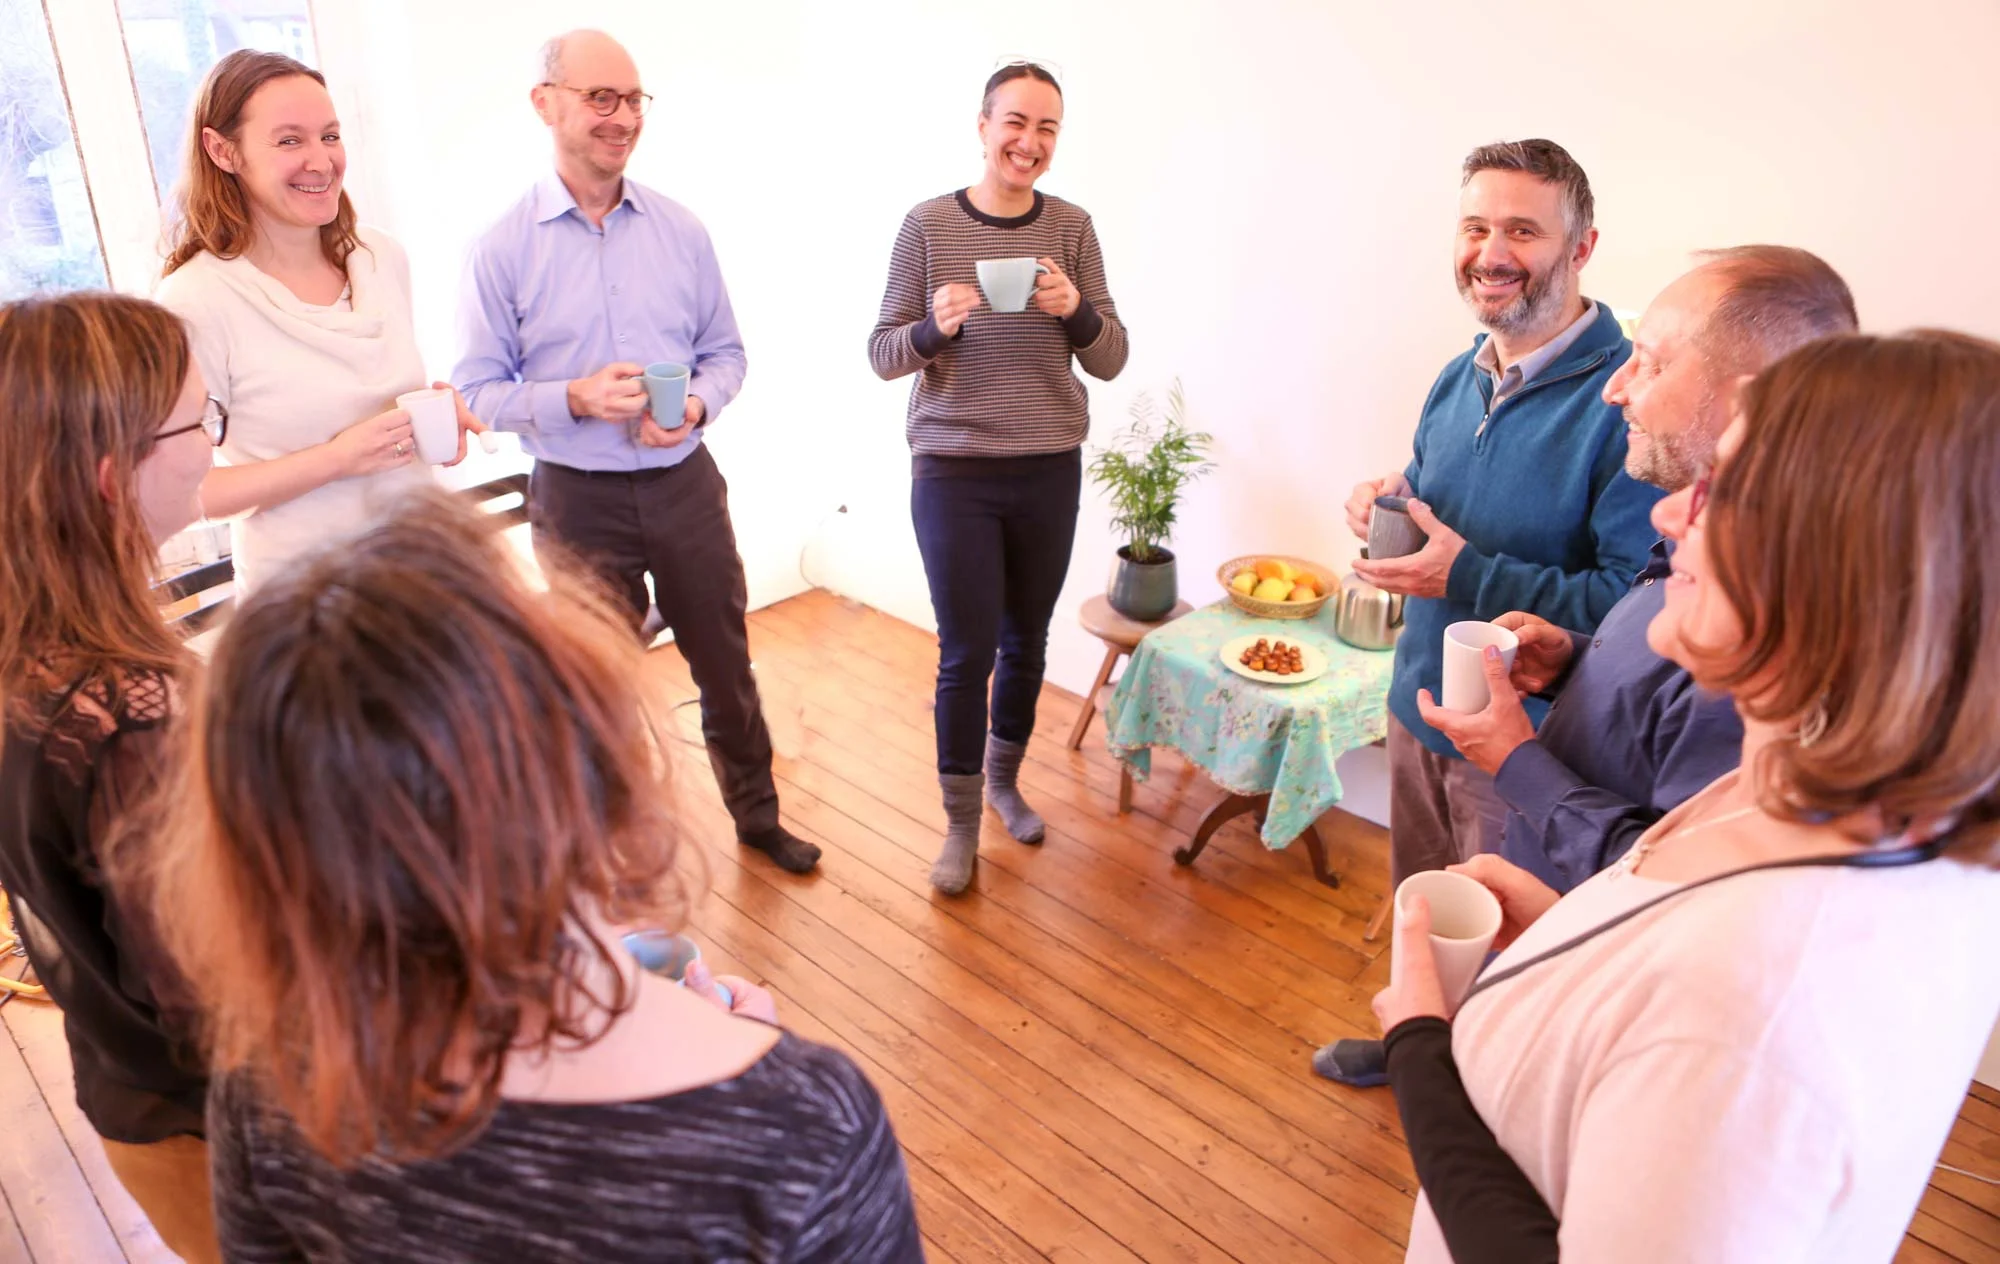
column 674, row 523
column 996, row 548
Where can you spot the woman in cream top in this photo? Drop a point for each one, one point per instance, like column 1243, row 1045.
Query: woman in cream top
column 1763, row 1066
column 300, row 320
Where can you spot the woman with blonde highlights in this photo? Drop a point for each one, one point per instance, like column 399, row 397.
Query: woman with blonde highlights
column 1748, row 1039
column 107, row 435
column 423, row 799
column 302, row 319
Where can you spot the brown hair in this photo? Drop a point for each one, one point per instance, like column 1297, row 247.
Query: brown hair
column 1008, row 73
column 1546, row 161
column 1774, row 299
column 86, row 378
column 210, row 211
column 1853, row 535
column 416, row 782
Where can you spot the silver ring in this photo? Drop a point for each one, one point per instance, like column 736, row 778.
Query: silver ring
column 402, row 448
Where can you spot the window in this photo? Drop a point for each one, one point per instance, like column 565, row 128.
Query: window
column 94, row 102
column 172, row 43
column 48, row 233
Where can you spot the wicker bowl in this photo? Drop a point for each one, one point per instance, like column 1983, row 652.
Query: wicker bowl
column 1277, row 609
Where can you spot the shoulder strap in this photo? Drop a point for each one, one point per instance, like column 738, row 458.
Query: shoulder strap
column 1895, row 858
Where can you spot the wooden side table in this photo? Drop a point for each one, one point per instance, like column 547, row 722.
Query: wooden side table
column 1120, row 636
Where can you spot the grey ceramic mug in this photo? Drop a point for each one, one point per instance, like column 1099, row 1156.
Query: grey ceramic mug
column 1391, row 533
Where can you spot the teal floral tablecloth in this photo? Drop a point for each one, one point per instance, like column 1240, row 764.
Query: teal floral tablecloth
column 1250, row 738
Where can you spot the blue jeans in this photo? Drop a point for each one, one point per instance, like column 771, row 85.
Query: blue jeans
column 996, row 547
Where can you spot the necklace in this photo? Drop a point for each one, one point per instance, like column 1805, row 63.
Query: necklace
column 1632, row 859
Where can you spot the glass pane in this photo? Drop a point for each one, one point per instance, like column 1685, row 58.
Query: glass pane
column 48, row 233
column 172, row 44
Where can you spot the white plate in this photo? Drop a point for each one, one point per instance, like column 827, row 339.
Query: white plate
column 1313, row 660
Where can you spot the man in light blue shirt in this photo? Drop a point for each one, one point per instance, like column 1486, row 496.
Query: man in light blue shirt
column 581, row 284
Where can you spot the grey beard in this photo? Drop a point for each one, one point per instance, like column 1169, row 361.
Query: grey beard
column 1669, row 461
column 1541, row 301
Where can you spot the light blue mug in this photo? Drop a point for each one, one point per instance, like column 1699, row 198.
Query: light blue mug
column 667, row 393
column 1009, row 283
column 669, row 955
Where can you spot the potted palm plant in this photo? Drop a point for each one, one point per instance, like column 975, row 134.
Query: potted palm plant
column 1143, row 473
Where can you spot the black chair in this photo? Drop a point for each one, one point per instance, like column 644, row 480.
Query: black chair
column 196, row 598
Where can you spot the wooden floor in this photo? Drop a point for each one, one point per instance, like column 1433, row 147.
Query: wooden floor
column 1095, row 1055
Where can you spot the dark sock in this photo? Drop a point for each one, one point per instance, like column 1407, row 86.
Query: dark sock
column 1355, row 1063
column 792, row 854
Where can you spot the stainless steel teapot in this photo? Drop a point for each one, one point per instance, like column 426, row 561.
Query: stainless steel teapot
column 1365, row 616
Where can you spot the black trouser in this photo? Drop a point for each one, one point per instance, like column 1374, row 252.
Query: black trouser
column 674, row 523
column 996, row 544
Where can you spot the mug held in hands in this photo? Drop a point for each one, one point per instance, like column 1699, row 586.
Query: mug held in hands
column 433, row 423
column 1465, row 645
column 1009, row 283
column 1465, row 917
column 1391, row 532
column 667, row 393
column 668, row 955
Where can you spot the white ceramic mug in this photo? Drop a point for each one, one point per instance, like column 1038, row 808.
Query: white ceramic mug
column 1009, row 283
column 1465, row 917
column 433, row 422
column 1465, row 662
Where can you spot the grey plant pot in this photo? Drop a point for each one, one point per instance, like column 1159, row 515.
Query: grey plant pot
column 1145, row 591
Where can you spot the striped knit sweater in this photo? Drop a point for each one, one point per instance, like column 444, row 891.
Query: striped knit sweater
column 1003, row 386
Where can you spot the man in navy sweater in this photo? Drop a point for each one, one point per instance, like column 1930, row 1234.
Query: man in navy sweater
column 1630, row 736
column 1518, row 478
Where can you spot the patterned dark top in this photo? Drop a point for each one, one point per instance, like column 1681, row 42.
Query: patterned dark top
column 793, row 1161
column 89, row 755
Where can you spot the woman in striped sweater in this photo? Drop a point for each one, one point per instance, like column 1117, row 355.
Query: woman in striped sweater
column 996, row 424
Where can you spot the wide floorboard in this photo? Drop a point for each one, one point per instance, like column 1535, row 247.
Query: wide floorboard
column 1096, row 1055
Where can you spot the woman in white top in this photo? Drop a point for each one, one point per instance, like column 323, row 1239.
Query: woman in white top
column 301, row 320
column 1761, row 1066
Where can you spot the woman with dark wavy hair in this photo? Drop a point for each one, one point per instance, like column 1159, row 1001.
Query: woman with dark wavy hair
column 107, row 433
column 1748, row 1039
column 424, row 799
column 302, row 318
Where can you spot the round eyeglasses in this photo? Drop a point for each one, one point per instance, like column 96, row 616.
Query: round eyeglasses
column 607, row 100
column 214, row 423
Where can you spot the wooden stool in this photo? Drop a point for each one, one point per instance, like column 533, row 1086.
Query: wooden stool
column 1120, row 636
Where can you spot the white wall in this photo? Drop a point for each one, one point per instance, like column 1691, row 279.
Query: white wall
column 1274, row 184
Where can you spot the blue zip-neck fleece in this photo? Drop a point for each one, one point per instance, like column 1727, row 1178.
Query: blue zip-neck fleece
column 1537, row 486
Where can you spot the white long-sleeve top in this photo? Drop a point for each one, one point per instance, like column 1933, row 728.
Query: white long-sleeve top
column 293, row 374
column 1761, row 1071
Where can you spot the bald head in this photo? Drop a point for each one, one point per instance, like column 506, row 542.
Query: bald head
column 1768, row 302
column 1736, row 312
column 587, row 59
column 589, row 95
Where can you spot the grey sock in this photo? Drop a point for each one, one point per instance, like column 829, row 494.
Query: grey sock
column 953, row 871
column 1003, row 766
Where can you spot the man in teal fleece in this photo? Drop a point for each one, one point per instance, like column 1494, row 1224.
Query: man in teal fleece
column 1518, row 478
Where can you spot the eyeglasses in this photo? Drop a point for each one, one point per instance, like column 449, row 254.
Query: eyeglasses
column 1698, row 494
column 1048, row 68
column 214, row 422
column 607, row 100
